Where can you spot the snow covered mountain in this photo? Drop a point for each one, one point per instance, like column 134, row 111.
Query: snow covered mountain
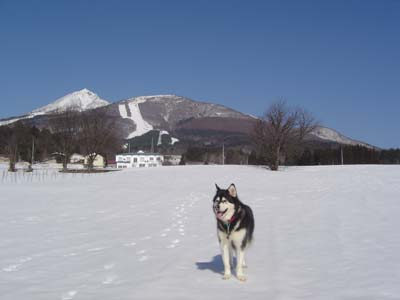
column 80, row 100
column 168, row 112
column 328, row 134
column 181, row 117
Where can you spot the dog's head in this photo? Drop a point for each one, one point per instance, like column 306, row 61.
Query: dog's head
column 224, row 203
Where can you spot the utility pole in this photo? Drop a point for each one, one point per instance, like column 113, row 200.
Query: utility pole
column 341, row 154
column 223, row 153
column 33, row 150
column 30, row 169
column 152, row 146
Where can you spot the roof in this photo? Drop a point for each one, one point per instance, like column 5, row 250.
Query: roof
column 140, row 153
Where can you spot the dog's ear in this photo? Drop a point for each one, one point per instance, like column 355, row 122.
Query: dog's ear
column 218, row 189
column 232, row 190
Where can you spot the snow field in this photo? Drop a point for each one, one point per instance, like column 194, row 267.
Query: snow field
column 321, row 233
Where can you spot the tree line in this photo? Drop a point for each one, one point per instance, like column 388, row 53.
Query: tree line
column 89, row 133
column 311, row 154
column 348, row 155
column 280, row 137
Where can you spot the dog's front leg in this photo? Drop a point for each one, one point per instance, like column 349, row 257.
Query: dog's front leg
column 226, row 259
column 240, row 264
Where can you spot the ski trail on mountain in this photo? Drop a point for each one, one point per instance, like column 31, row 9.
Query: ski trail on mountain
column 136, row 116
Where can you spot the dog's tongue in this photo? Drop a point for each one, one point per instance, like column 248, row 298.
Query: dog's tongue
column 220, row 215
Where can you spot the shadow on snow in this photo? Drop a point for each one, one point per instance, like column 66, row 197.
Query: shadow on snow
column 215, row 265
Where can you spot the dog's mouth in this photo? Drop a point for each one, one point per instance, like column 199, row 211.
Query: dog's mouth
column 220, row 214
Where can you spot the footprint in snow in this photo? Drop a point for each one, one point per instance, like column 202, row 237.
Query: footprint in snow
column 143, row 258
column 95, row 249
column 69, row 295
column 11, row 268
column 110, row 279
column 109, row 266
column 173, row 244
column 16, row 267
column 70, row 254
column 130, row 244
column 25, row 259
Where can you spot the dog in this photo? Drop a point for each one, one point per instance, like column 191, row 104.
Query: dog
column 235, row 227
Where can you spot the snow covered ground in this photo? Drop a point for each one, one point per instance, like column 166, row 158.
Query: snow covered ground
column 321, row 233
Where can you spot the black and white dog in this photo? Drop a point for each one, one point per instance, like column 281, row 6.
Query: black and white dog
column 235, row 226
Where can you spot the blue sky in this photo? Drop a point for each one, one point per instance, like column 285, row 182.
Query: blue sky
column 338, row 59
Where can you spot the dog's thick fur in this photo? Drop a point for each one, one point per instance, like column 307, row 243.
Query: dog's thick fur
column 235, row 227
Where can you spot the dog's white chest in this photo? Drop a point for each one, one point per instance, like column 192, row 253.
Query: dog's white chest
column 235, row 236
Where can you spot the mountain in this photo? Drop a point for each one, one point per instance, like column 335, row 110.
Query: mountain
column 330, row 135
column 171, row 112
column 80, row 100
column 179, row 118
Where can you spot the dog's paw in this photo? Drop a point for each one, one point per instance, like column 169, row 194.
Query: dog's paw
column 242, row 278
column 226, row 276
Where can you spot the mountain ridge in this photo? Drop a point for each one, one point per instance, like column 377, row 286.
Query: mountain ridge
column 177, row 114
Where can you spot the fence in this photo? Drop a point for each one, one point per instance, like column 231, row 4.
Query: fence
column 39, row 175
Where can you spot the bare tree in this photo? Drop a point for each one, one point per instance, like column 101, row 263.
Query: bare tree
column 98, row 134
column 65, row 126
column 279, row 129
column 14, row 139
column 12, row 149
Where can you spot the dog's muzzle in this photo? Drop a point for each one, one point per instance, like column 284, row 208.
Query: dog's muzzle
column 220, row 214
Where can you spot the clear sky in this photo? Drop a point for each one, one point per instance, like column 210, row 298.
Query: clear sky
column 338, row 59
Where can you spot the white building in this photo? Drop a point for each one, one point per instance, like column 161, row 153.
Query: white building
column 139, row 159
column 99, row 161
column 76, row 158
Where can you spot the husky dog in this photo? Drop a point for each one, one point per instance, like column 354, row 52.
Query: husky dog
column 235, row 226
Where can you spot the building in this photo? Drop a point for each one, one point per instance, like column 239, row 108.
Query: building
column 76, row 158
column 139, row 159
column 99, row 161
column 172, row 160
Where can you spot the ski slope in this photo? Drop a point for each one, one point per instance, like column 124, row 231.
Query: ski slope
column 321, row 233
column 136, row 116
